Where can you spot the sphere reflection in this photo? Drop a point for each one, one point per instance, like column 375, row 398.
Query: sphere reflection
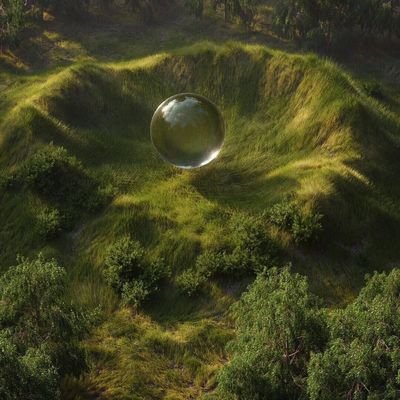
column 187, row 130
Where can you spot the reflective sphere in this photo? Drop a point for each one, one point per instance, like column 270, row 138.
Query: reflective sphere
column 187, row 130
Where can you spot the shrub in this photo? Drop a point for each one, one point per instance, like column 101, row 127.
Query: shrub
column 190, row 282
column 235, row 263
column 283, row 214
column 252, row 251
column 289, row 217
column 278, row 325
column 134, row 293
column 49, row 223
column 249, row 233
column 211, row 263
column 362, row 360
column 124, row 263
column 128, row 269
column 42, row 328
column 55, row 174
column 253, row 248
column 305, row 228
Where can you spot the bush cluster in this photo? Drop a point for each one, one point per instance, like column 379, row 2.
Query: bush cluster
column 64, row 184
column 49, row 223
column 288, row 216
column 288, row 347
column 252, row 251
column 52, row 172
column 128, row 269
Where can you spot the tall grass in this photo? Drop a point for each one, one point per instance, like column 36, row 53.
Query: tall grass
column 296, row 124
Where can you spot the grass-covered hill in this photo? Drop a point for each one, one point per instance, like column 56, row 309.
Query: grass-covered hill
column 298, row 127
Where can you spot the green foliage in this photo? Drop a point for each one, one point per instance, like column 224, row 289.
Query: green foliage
column 278, row 325
column 39, row 329
column 27, row 376
column 55, row 174
column 190, row 282
column 129, row 271
column 12, row 21
column 322, row 23
column 61, row 180
column 124, row 263
column 49, row 223
column 135, row 293
column 362, row 359
column 287, row 347
column 252, row 251
column 188, row 217
column 288, row 216
column 306, row 228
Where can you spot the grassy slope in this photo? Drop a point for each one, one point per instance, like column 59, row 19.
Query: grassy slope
column 295, row 123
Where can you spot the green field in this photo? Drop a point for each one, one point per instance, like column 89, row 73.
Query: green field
column 297, row 125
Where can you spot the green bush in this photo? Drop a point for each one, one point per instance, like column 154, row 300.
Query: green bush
column 250, row 233
column 49, row 223
column 234, row 263
column 40, row 330
column 278, row 326
column 362, row 358
column 283, row 214
column 61, row 181
column 190, row 282
column 26, row 376
column 288, row 216
column 134, row 293
column 306, row 228
column 124, row 263
column 128, row 269
column 211, row 263
column 251, row 251
column 55, row 174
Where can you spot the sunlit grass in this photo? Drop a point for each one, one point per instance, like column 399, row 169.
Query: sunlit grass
column 296, row 125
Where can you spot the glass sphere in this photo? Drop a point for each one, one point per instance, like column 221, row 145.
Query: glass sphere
column 187, row 130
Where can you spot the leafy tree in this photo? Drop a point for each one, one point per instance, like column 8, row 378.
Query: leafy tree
column 278, row 325
column 362, row 360
column 323, row 22
column 39, row 330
